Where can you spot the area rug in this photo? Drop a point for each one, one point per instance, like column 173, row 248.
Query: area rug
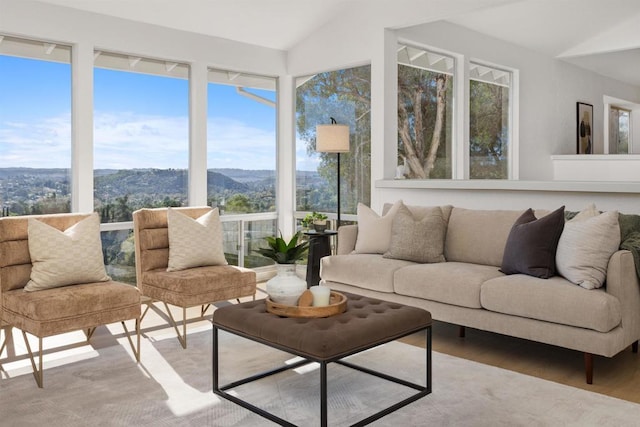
column 172, row 387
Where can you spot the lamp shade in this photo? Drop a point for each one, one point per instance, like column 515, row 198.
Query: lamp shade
column 332, row 138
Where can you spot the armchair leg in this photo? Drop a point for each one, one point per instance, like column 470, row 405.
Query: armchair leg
column 4, row 341
column 37, row 371
column 203, row 309
column 136, row 348
column 182, row 338
column 89, row 333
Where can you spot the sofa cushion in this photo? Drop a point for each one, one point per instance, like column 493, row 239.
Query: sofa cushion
column 448, row 282
column 417, row 240
column 552, row 300
column 532, row 243
column 374, row 231
column 585, row 246
column 478, row 236
column 368, row 271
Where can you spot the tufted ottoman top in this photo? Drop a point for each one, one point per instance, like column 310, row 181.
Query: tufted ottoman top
column 367, row 322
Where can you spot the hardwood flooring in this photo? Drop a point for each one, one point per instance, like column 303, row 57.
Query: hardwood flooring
column 618, row 376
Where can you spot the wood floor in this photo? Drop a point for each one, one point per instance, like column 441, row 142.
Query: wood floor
column 618, row 376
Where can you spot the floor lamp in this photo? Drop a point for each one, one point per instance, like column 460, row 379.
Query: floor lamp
column 333, row 138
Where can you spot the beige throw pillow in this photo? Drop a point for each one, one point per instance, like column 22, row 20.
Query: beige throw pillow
column 374, row 231
column 65, row 258
column 586, row 244
column 417, row 240
column 194, row 242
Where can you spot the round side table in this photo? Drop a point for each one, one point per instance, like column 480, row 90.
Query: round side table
column 319, row 246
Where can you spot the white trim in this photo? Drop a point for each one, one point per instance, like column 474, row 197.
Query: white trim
column 513, row 185
column 198, row 138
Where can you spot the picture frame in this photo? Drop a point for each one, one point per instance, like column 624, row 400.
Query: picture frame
column 584, row 128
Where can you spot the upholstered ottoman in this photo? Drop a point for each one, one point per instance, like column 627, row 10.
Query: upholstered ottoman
column 365, row 324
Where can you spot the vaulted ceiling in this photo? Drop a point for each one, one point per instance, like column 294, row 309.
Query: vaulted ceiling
column 603, row 36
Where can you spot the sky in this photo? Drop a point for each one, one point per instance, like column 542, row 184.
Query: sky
column 140, row 121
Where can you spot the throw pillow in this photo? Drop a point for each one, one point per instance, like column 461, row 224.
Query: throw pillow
column 532, row 243
column 62, row 258
column 585, row 246
column 417, row 240
column 374, row 231
column 194, row 242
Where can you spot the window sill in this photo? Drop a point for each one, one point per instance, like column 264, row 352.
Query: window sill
column 512, row 185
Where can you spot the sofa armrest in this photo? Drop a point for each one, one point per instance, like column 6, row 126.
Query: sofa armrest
column 347, row 235
column 622, row 282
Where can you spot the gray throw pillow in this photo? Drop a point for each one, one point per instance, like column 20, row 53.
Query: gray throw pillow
column 532, row 244
column 417, row 240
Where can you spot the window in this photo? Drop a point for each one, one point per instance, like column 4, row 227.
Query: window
column 141, row 135
column 35, row 127
column 344, row 95
column 241, row 142
column 425, row 114
column 241, row 161
column 619, row 130
column 489, row 129
column 141, row 146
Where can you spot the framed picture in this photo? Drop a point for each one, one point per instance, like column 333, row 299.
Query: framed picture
column 584, row 128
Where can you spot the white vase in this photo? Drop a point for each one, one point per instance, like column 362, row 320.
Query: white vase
column 286, row 287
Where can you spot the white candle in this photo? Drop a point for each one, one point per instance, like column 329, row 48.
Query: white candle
column 321, row 295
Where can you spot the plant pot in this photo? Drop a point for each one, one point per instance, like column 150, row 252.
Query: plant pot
column 286, row 287
column 320, row 226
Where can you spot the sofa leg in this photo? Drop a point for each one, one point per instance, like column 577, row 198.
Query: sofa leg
column 634, row 347
column 588, row 367
column 461, row 331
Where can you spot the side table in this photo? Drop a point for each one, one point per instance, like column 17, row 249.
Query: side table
column 319, row 246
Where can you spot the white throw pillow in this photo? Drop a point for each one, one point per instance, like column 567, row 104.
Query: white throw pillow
column 194, row 242
column 374, row 231
column 65, row 258
column 586, row 244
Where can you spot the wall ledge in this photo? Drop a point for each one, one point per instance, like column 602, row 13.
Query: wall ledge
column 511, row 185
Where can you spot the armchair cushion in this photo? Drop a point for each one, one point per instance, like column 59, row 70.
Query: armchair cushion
column 62, row 258
column 55, row 311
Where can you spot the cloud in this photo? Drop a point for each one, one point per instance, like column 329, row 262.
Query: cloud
column 126, row 140
column 42, row 144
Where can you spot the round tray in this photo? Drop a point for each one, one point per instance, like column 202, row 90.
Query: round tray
column 337, row 305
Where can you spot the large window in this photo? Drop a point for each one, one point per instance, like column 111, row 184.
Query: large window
column 141, row 147
column 489, row 129
column 35, row 127
column 425, row 112
column 141, row 137
column 241, row 161
column 344, row 95
column 241, row 142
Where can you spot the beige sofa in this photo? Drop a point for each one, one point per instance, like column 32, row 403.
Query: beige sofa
column 469, row 290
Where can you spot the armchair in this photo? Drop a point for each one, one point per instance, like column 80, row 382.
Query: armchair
column 62, row 309
column 190, row 287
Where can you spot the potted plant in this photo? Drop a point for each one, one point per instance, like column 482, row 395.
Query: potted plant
column 286, row 287
column 315, row 220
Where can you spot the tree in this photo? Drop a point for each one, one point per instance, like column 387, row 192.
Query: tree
column 423, row 101
column 488, row 130
column 346, row 96
column 239, row 203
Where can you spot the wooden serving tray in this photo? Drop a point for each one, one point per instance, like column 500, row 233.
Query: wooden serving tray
column 337, row 305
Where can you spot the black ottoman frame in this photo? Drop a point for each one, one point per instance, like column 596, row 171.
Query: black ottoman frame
column 221, row 390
